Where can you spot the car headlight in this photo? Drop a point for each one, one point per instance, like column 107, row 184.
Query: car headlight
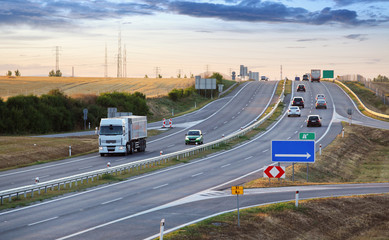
column 100, row 148
column 198, row 138
column 186, row 138
column 121, row 148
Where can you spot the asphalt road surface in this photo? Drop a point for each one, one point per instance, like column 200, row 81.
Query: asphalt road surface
column 132, row 209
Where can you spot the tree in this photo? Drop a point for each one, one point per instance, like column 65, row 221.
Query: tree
column 55, row 74
column 17, row 73
column 52, row 73
column 159, row 76
column 179, row 75
column 9, row 74
column 185, row 76
column 146, row 76
column 191, row 75
column 218, row 77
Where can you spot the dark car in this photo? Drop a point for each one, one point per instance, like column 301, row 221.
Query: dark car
column 301, row 88
column 313, row 121
column 321, row 103
column 305, row 77
column 298, row 101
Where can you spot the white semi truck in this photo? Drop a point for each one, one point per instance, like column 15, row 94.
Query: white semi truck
column 315, row 75
column 122, row 135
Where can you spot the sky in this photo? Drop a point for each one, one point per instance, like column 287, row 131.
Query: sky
column 191, row 36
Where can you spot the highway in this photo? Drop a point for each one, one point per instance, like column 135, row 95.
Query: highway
column 223, row 116
column 132, row 209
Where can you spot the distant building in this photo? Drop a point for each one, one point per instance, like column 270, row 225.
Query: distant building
column 233, row 75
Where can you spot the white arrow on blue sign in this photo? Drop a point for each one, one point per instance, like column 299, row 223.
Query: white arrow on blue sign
column 293, row 151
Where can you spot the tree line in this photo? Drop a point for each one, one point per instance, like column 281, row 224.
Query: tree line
column 57, row 112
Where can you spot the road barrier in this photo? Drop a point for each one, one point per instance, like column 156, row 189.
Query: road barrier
column 130, row 167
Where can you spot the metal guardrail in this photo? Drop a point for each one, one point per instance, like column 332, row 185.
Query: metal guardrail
column 361, row 103
column 141, row 164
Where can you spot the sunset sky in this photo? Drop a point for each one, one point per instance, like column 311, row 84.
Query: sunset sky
column 347, row 36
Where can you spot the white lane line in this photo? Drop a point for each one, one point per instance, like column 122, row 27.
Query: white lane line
column 248, row 158
column 111, row 201
column 225, row 165
column 171, row 145
column 301, row 126
column 197, row 174
column 233, row 117
column 238, row 113
column 289, row 138
column 310, row 111
column 265, row 150
column 44, row 176
column 296, row 132
column 215, row 128
column 225, row 122
column 164, row 185
column 46, row 220
column 85, row 167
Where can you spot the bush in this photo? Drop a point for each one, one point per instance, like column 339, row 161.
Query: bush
column 177, row 94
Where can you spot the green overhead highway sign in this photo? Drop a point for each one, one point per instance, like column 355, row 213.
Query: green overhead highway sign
column 328, row 73
column 307, row 136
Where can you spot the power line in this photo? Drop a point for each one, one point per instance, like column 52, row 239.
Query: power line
column 106, row 62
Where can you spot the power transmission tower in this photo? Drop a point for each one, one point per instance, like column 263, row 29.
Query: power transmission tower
column 281, row 72
column 57, row 58
column 125, row 62
column 106, row 62
column 120, row 63
column 157, row 71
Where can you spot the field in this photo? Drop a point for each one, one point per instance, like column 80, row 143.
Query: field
column 152, row 87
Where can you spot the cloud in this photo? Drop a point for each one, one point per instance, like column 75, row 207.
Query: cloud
column 310, row 39
column 258, row 11
column 350, row 2
column 360, row 37
column 47, row 13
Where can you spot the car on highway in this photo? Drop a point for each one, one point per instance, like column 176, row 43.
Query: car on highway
column 305, row 77
column 320, row 96
column 301, row 88
column 298, row 101
column 313, row 121
column 194, row 136
column 321, row 103
column 294, row 111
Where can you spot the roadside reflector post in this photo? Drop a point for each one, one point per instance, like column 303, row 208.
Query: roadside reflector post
column 160, row 153
column 342, row 132
column 297, row 199
column 70, row 151
column 222, row 135
column 96, row 131
column 108, row 164
column 320, row 149
column 161, row 229
column 36, row 180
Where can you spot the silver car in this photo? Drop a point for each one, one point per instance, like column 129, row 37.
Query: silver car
column 294, row 111
column 320, row 96
column 321, row 103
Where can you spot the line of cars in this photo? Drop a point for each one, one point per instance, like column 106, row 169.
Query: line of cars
column 298, row 103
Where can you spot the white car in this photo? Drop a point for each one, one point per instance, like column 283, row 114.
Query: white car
column 294, row 111
column 320, row 96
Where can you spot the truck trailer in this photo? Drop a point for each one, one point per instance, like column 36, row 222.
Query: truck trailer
column 122, row 135
column 315, row 75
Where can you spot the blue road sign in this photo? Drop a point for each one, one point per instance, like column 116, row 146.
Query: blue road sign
column 293, row 151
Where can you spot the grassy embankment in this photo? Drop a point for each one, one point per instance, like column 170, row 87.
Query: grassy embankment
column 368, row 98
column 21, row 201
column 361, row 156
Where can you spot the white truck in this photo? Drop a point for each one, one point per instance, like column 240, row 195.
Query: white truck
column 315, row 75
column 122, row 135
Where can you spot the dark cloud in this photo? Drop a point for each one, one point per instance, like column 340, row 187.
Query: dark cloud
column 310, row 39
column 64, row 13
column 258, row 11
column 360, row 37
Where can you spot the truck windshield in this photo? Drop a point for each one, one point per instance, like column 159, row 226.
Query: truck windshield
column 111, row 130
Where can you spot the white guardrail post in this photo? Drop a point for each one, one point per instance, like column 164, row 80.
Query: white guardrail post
column 163, row 158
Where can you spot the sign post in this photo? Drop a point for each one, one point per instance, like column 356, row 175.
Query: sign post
column 85, row 117
column 237, row 190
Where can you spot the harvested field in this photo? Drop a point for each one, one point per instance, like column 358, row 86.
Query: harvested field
column 151, row 87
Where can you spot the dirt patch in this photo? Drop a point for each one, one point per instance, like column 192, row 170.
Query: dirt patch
column 364, row 217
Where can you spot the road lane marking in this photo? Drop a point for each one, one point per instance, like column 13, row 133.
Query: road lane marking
column 214, row 128
column 171, row 145
column 111, row 201
column 225, row 165
column 289, row 138
column 296, row 132
column 164, row 185
column 198, row 174
column 238, row 113
column 46, row 220
column 248, row 158
column 225, row 122
column 265, row 150
column 45, row 176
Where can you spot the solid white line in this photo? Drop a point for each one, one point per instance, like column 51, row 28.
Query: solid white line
column 46, row 220
column 248, row 158
column 85, row 167
column 164, row 185
column 171, row 145
column 289, row 138
column 114, row 200
column 195, row 175
column 265, row 150
column 225, row 165
column 295, row 131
